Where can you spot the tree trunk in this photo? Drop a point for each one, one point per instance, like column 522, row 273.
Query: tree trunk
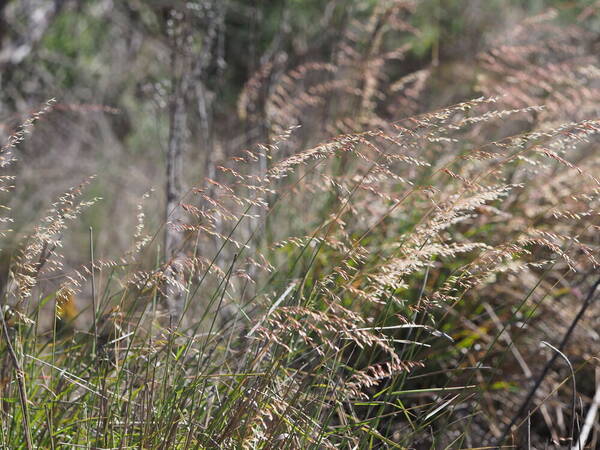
column 175, row 292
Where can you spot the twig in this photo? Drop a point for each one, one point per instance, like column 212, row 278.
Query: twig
column 590, row 418
column 524, row 367
column 586, row 304
column 574, row 401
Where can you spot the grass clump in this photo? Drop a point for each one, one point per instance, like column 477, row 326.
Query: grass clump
column 323, row 307
column 354, row 282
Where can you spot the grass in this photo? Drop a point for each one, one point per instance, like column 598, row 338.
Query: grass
column 387, row 287
column 368, row 330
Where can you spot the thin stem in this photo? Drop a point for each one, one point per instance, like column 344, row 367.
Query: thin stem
column 94, row 307
column 20, row 381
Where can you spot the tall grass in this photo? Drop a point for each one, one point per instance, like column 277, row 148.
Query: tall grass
column 387, row 287
column 350, row 312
